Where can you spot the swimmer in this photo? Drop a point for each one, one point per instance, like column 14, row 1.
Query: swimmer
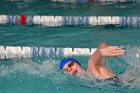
column 96, row 63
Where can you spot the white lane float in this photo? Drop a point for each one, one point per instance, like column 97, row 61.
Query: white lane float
column 55, row 21
column 7, row 52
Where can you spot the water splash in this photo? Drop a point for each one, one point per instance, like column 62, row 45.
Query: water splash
column 131, row 76
column 47, row 69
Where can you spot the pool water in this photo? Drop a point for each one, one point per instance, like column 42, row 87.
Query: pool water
column 67, row 36
column 37, row 7
column 42, row 74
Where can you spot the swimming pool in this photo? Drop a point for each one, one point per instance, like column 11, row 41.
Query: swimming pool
column 40, row 74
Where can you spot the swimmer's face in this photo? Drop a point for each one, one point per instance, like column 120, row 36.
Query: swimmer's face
column 72, row 68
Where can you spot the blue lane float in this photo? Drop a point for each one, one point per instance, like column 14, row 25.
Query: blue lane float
column 7, row 52
column 55, row 21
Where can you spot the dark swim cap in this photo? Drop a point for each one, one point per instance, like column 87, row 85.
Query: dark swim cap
column 66, row 60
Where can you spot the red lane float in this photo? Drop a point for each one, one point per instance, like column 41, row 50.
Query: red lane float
column 54, row 21
column 22, row 20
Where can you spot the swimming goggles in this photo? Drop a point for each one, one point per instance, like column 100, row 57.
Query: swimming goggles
column 70, row 64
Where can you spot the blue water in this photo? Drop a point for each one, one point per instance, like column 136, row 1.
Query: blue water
column 42, row 74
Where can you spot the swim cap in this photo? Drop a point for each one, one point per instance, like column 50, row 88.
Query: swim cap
column 66, row 60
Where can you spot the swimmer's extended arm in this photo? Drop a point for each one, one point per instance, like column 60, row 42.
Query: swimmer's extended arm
column 104, row 50
column 96, row 58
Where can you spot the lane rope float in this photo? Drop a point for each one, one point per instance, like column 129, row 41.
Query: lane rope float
column 55, row 21
column 7, row 52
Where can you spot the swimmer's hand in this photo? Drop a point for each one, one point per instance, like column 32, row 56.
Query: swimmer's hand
column 112, row 51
